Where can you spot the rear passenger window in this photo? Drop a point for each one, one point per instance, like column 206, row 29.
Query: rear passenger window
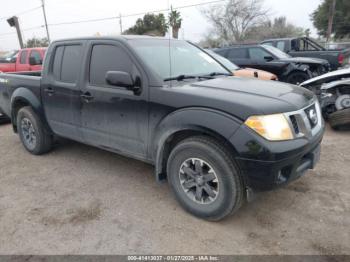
column 106, row 58
column 71, row 63
column 258, row 53
column 23, row 58
column 237, row 53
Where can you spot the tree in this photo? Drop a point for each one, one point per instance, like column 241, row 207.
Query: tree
column 341, row 22
column 232, row 21
column 278, row 28
column 150, row 24
column 37, row 42
column 175, row 22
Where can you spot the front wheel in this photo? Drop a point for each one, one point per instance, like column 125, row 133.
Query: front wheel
column 297, row 78
column 34, row 135
column 204, row 178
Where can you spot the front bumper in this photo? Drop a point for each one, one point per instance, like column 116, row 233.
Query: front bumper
column 266, row 165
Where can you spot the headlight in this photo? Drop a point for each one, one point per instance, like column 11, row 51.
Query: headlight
column 272, row 127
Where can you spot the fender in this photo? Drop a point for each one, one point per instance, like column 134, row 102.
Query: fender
column 292, row 67
column 209, row 121
column 24, row 95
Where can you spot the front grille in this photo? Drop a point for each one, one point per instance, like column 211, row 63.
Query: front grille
column 294, row 124
column 307, row 121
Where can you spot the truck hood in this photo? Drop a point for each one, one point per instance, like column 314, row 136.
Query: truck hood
column 305, row 60
column 325, row 78
column 241, row 97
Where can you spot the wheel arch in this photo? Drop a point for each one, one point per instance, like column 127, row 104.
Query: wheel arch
column 186, row 123
column 22, row 97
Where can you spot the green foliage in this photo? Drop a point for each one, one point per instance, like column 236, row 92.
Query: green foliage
column 37, row 42
column 341, row 23
column 277, row 28
column 150, row 24
column 175, row 22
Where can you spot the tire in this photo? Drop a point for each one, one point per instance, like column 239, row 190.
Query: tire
column 297, row 77
column 339, row 118
column 227, row 184
column 29, row 124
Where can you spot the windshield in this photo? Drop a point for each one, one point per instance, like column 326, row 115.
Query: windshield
column 169, row 58
column 227, row 63
column 276, row 52
column 9, row 55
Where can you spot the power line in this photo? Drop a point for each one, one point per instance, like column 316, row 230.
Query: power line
column 22, row 13
column 110, row 18
column 134, row 14
column 26, row 29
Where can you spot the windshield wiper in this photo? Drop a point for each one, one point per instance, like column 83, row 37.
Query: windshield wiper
column 219, row 74
column 183, row 77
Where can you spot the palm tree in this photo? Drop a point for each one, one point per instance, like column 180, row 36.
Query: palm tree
column 175, row 22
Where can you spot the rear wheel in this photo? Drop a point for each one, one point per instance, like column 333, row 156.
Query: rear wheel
column 297, row 78
column 340, row 118
column 204, row 178
column 34, row 135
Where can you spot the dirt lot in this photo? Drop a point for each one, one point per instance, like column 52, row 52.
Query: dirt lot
column 82, row 200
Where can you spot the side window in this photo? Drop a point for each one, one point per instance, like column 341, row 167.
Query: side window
column 281, row 45
column 106, row 58
column 23, row 57
column 71, row 63
column 57, row 62
column 268, row 43
column 36, row 55
column 237, row 53
column 258, row 53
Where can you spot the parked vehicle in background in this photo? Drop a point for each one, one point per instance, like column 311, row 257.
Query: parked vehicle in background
column 294, row 70
column 216, row 138
column 3, row 118
column 335, row 101
column 315, row 84
column 305, row 47
column 28, row 59
column 333, row 90
column 242, row 72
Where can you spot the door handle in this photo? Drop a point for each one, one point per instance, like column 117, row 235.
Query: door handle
column 49, row 91
column 87, row 97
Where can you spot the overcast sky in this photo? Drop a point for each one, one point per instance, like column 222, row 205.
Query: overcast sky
column 194, row 24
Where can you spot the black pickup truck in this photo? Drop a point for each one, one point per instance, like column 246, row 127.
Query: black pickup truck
column 305, row 47
column 216, row 138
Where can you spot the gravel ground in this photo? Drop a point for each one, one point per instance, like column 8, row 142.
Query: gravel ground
column 82, row 200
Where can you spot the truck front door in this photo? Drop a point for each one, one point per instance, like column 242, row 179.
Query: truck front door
column 114, row 117
column 22, row 61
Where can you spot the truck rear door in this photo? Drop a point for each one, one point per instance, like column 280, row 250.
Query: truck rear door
column 60, row 89
column 114, row 117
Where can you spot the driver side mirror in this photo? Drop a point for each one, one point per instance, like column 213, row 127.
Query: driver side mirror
column 119, row 78
column 268, row 58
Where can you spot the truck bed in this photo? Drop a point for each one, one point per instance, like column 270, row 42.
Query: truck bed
column 10, row 82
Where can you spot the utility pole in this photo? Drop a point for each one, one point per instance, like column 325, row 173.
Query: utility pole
column 120, row 23
column 13, row 22
column 44, row 12
column 330, row 20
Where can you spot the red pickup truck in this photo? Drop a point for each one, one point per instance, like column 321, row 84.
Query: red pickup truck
column 28, row 59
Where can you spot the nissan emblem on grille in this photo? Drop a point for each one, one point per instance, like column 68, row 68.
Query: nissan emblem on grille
column 313, row 116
